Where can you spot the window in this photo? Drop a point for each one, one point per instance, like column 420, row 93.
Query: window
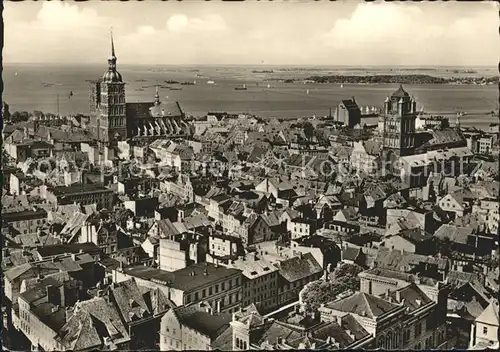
column 418, row 329
column 388, row 341
column 485, row 330
column 196, row 296
column 222, row 286
column 381, row 341
column 210, row 290
column 395, row 339
column 203, row 293
column 216, row 288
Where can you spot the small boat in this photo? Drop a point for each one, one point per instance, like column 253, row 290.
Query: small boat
column 139, row 89
column 341, row 86
column 187, row 83
column 307, row 92
column 210, row 82
column 15, row 74
column 268, row 86
column 241, row 88
column 140, row 80
column 173, row 88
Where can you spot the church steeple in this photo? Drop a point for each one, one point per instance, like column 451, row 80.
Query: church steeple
column 112, row 75
column 112, row 58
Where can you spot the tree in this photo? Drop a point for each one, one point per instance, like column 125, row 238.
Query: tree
column 19, row 116
column 121, row 215
column 344, row 278
column 319, row 292
column 346, row 270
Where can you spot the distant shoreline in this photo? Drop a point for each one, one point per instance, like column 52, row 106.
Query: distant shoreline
column 391, row 79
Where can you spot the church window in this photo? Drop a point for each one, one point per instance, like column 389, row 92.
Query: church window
column 388, row 341
column 395, row 342
column 381, row 342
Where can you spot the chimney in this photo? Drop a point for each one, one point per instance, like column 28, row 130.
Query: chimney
column 338, row 318
column 398, row 296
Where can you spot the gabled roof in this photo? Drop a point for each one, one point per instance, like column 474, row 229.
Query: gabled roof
column 166, row 109
column 299, row 267
column 351, row 253
column 411, row 296
column 203, row 322
column 490, row 314
column 415, row 235
column 15, row 272
column 396, row 259
column 400, row 93
column 130, row 301
column 363, row 304
column 81, row 331
column 350, row 105
column 455, row 234
column 167, row 228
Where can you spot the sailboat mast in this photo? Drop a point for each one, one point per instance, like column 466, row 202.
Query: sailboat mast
column 57, row 105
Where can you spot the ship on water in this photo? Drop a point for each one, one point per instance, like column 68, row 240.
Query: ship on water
column 241, row 88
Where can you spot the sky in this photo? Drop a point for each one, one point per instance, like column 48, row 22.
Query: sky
column 253, row 33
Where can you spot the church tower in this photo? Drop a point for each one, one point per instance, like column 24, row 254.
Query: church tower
column 108, row 103
column 400, row 111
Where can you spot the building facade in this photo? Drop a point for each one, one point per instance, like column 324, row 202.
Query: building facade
column 398, row 124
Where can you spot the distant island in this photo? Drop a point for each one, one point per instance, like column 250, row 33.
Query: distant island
column 262, row 71
column 393, row 79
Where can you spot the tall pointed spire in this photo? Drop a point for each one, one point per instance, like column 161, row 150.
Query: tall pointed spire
column 112, row 58
column 112, row 75
column 112, row 44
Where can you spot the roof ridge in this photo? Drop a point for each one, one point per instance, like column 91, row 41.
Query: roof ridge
column 365, row 298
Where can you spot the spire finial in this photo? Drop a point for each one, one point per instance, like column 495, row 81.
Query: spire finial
column 112, row 43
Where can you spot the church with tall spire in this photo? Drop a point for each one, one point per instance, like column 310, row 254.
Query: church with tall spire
column 108, row 110
column 112, row 119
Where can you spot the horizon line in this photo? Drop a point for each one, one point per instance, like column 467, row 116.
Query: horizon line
column 263, row 65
